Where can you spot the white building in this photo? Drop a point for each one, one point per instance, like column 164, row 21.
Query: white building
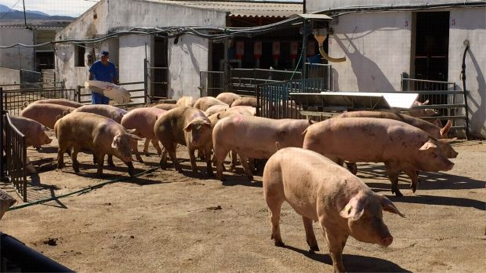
column 423, row 39
column 185, row 56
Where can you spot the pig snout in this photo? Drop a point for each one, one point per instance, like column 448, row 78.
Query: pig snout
column 449, row 166
column 386, row 241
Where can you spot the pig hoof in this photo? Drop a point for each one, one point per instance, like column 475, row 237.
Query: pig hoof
column 397, row 193
column 279, row 244
column 250, row 177
column 314, row 249
column 180, row 170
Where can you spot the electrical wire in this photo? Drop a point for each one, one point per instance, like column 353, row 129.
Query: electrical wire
column 8, row 11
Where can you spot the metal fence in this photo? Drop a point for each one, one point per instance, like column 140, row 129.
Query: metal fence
column 14, row 100
column 443, row 97
column 156, row 83
column 323, row 71
column 245, row 80
column 273, row 99
column 211, row 83
column 15, row 157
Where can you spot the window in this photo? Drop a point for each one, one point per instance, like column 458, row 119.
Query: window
column 79, row 52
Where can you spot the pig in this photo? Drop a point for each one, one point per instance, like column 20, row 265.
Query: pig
column 242, row 109
column 320, row 190
column 99, row 134
column 433, row 130
column 402, row 147
column 421, row 112
column 254, row 137
column 228, row 97
column 105, row 110
column 143, row 120
column 62, row 102
column 185, row 101
column 166, row 106
column 247, row 101
column 45, row 113
column 186, row 126
column 215, row 109
column 205, row 102
column 6, row 201
column 33, row 131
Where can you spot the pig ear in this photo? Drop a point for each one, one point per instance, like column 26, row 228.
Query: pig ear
column 188, row 127
column 130, row 131
column 354, row 209
column 135, row 137
column 445, row 129
column 425, row 102
column 428, row 146
column 116, row 142
column 387, row 205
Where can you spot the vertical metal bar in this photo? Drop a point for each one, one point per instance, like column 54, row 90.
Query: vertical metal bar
column 2, row 170
column 23, row 162
column 145, row 79
column 304, row 49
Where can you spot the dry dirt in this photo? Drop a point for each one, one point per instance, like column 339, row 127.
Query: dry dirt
column 163, row 221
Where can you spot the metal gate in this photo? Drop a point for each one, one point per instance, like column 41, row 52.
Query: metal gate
column 211, row 83
column 156, row 83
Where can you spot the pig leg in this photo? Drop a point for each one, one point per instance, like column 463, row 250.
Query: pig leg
column 100, row 158
column 155, row 142
column 193, row 159
column 135, row 151
column 393, row 171
column 60, row 157
column 246, row 167
column 274, row 206
column 110, row 161
column 145, row 147
column 234, row 160
column 413, row 174
column 163, row 160
column 336, row 240
column 74, row 158
column 131, row 169
column 209, row 166
column 220, row 155
column 309, row 234
column 172, row 153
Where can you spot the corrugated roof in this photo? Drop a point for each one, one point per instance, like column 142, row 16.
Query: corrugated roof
column 244, row 9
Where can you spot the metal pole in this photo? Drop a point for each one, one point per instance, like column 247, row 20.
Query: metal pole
column 145, row 79
column 225, row 65
column 25, row 17
column 463, row 73
column 2, row 162
column 304, row 49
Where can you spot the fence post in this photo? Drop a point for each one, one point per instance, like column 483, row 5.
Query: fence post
column 2, row 162
column 145, row 81
column 78, row 93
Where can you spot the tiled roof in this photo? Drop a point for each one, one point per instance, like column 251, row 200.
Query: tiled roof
column 244, row 9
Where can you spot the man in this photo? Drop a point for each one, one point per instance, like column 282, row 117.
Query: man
column 102, row 70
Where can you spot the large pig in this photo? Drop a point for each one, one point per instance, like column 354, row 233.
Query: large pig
column 246, row 101
column 105, row 110
column 62, row 102
column 96, row 133
column 215, row 109
column 166, row 106
column 402, row 147
column 254, row 137
column 33, row 131
column 205, row 102
column 320, row 190
column 433, row 130
column 421, row 112
column 143, row 121
column 186, row 126
column 185, row 101
column 228, row 97
column 45, row 113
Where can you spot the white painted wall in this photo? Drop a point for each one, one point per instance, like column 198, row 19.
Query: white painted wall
column 470, row 24
column 9, row 76
column 320, row 5
column 17, row 57
column 187, row 59
column 377, row 48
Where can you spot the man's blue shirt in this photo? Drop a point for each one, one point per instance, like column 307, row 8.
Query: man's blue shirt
column 102, row 72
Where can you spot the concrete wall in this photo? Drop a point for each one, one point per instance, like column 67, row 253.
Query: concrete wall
column 470, row 24
column 319, row 5
column 17, row 57
column 377, row 48
column 187, row 59
column 9, row 76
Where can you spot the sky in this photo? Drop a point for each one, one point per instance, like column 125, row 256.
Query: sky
column 72, row 8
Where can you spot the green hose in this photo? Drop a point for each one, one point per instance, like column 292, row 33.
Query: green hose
column 84, row 190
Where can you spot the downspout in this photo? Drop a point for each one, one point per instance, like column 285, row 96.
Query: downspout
column 463, row 76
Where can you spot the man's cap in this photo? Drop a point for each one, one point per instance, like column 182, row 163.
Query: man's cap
column 105, row 53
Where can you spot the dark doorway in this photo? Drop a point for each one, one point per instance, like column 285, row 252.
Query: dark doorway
column 159, row 71
column 431, row 46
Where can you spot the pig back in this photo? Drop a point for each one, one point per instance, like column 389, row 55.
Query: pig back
column 62, row 102
column 170, row 126
column 365, row 139
column 108, row 111
column 45, row 113
column 143, row 120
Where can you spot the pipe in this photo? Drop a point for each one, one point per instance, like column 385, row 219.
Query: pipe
column 320, row 35
column 463, row 76
column 26, row 258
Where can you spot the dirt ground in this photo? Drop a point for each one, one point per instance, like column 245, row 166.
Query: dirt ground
column 163, row 221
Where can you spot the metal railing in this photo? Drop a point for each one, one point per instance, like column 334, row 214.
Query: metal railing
column 273, row 99
column 211, row 83
column 244, row 80
column 15, row 157
column 156, row 82
column 443, row 97
column 14, row 100
column 324, row 71
column 138, row 95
